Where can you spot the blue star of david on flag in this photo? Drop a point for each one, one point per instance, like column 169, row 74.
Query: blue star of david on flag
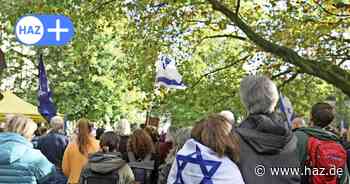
column 196, row 158
column 166, row 62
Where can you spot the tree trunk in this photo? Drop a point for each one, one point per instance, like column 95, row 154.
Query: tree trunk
column 325, row 70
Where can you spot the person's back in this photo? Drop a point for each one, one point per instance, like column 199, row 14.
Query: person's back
column 19, row 162
column 209, row 157
column 107, row 166
column 320, row 150
column 266, row 144
column 266, row 141
column 76, row 154
column 123, row 145
column 142, row 158
column 53, row 146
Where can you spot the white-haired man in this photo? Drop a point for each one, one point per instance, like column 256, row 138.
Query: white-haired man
column 53, row 146
column 266, row 141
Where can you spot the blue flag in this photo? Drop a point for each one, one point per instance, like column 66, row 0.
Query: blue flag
column 286, row 108
column 46, row 106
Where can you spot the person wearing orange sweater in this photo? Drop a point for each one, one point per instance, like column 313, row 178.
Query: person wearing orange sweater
column 76, row 155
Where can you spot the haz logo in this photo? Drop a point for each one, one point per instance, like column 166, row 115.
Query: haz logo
column 44, row 30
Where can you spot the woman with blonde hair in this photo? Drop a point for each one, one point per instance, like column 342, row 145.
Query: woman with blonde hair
column 19, row 162
column 76, row 154
column 210, row 156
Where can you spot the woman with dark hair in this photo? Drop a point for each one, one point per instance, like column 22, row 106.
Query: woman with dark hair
column 210, row 156
column 141, row 149
column 99, row 132
column 107, row 161
column 140, row 144
column 109, row 142
column 76, row 154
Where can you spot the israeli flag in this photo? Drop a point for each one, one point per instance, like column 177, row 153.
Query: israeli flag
column 198, row 164
column 167, row 74
column 286, row 108
column 46, row 106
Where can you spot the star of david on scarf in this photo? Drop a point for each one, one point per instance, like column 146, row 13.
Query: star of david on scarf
column 196, row 158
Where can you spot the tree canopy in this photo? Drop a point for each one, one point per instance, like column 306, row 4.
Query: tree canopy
column 107, row 71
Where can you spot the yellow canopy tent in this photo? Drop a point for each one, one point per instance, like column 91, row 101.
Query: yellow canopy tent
column 12, row 104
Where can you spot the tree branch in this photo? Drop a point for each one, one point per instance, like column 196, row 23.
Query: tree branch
column 237, row 6
column 288, row 80
column 343, row 61
column 280, row 74
column 337, row 38
column 323, row 69
column 217, row 70
column 331, row 13
column 218, row 36
column 223, row 36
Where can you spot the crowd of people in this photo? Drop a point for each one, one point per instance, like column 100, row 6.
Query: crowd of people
column 262, row 149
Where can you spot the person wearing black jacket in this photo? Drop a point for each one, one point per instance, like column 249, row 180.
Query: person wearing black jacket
column 266, row 141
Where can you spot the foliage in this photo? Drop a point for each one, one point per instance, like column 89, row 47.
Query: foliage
column 107, row 71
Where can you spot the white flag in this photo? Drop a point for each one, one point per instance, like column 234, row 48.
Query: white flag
column 167, row 74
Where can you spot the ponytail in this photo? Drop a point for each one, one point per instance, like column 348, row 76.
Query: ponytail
column 85, row 128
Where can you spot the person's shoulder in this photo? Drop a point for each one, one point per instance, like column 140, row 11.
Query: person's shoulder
column 94, row 144
column 61, row 137
column 231, row 167
column 72, row 145
column 35, row 158
column 301, row 131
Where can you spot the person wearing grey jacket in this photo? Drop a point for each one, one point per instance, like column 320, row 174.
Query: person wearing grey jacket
column 266, row 141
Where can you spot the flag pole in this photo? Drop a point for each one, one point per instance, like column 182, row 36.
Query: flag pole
column 151, row 105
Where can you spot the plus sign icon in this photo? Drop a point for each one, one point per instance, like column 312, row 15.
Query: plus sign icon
column 44, row 30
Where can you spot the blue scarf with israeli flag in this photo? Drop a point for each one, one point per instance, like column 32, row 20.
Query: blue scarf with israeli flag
column 46, row 106
column 167, row 74
column 198, row 164
column 286, row 108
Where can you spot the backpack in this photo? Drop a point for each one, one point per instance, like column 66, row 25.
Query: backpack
column 142, row 169
column 327, row 156
column 101, row 169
